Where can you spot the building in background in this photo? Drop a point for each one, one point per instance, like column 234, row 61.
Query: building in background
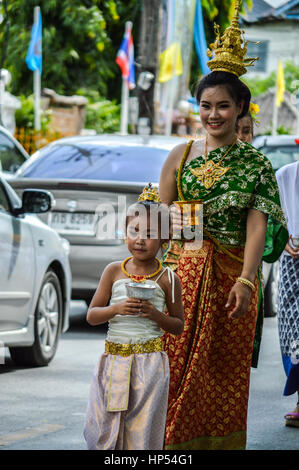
column 276, row 29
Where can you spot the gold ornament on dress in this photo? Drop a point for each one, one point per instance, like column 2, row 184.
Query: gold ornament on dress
column 210, row 172
column 125, row 350
column 149, row 193
column 230, row 49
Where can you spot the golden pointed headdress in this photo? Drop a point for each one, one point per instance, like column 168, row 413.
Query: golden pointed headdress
column 149, row 193
column 230, row 49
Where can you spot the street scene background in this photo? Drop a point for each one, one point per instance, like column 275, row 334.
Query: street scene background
column 44, row 408
column 87, row 71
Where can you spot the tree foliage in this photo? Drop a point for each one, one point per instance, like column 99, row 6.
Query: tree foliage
column 258, row 85
column 78, row 49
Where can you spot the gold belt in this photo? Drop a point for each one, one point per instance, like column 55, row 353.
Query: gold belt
column 154, row 345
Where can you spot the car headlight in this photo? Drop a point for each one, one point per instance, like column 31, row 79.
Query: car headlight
column 66, row 246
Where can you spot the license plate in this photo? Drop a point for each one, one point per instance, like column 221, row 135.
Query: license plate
column 74, row 223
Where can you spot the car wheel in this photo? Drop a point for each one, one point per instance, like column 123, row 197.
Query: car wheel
column 47, row 325
column 271, row 291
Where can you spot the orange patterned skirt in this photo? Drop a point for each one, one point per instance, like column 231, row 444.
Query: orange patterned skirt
column 210, row 362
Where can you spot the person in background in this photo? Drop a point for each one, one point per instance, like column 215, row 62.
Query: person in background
column 245, row 124
column 245, row 128
column 288, row 286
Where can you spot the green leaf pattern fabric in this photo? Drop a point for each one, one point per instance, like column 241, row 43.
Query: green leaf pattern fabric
column 249, row 183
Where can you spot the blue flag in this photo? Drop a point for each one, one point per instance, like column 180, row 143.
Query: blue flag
column 34, row 53
column 200, row 39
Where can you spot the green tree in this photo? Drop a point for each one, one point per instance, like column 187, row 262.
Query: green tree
column 77, row 47
column 258, row 85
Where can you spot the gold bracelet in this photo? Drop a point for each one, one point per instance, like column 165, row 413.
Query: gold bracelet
column 246, row 282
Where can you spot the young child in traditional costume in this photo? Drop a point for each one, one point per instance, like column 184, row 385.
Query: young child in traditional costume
column 129, row 392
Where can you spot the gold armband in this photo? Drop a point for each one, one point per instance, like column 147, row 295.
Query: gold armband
column 246, row 282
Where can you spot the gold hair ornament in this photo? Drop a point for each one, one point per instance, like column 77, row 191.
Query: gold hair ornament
column 149, row 193
column 230, row 49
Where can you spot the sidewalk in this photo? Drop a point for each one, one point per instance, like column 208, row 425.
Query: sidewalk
column 267, row 405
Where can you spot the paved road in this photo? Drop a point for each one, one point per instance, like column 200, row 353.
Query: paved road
column 44, row 408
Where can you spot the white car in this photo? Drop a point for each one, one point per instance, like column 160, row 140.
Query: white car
column 35, row 278
column 12, row 154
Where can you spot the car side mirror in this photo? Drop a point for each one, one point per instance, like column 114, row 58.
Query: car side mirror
column 36, row 201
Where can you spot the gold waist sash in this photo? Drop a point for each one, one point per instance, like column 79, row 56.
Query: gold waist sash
column 124, row 350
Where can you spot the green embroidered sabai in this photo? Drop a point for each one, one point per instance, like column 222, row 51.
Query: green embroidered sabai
column 249, row 183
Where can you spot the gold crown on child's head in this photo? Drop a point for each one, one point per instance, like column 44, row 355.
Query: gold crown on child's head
column 230, row 49
column 149, row 193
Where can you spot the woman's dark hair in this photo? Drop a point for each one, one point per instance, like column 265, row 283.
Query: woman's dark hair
column 237, row 89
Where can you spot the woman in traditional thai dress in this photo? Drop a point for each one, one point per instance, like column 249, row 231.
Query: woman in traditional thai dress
column 210, row 362
column 288, row 288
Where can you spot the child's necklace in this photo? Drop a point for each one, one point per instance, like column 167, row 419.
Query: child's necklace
column 137, row 277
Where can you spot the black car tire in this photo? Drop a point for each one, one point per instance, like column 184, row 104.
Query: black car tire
column 271, row 291
column 47, row 325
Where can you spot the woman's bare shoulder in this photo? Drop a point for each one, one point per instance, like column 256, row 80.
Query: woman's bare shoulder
column 175, row 155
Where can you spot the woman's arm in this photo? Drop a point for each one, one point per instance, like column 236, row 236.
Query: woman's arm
column 99, row 312
column 167, row 185
column 255, row 243
column 173, row 322
column 254, row 249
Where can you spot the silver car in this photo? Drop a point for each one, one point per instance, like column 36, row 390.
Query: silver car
column 88, row 176
column 35, row 278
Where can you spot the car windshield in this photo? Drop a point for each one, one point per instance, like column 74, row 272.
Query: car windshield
column 281, row 155
column 116, row 163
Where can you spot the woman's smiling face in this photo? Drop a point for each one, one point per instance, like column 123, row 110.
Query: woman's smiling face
column 218, row 111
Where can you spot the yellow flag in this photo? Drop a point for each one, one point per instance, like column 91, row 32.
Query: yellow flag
column 280, row 85
column 170, row 62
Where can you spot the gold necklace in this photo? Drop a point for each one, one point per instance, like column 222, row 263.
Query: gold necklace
column 210, row 172
column 137, row 277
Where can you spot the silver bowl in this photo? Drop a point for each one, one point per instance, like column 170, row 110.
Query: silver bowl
column 144, row 291
column 295, row 241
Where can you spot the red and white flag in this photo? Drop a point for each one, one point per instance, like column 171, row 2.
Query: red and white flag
column 125, row 57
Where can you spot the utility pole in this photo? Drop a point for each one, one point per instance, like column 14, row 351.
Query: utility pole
column 147, row 59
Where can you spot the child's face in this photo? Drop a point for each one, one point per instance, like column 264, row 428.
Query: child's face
column 143, row 239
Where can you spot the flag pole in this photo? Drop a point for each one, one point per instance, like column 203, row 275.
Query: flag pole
column 124, row 107
column 125, row 95
column 37, row 83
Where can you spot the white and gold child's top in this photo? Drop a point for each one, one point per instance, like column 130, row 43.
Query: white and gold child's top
column 132, row 329
column 128, row 338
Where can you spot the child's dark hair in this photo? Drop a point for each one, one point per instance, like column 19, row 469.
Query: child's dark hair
column 235, row 87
